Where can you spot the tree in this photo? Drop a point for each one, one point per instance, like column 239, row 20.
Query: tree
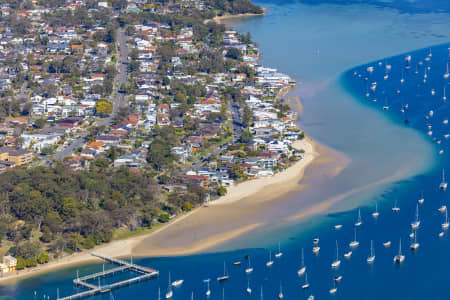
column 221, row 191
column 159, row 154
column 164, row 218
column 103, row 108
column 43, row 258
column 88, row 243
column 21, row 264
column 246, row 136
column 247, row 118
column 187, row 206
column 234, row 53
column 39, row 123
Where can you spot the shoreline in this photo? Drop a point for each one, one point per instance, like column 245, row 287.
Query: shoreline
column 219, row 19
column 253, row 195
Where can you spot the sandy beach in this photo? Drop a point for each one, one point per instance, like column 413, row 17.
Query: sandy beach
column 219, row 19
column 203, row 228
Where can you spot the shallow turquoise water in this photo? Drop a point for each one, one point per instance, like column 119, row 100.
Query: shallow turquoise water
column 319, row 46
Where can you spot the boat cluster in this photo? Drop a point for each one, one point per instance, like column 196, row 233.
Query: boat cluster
column 389, row 90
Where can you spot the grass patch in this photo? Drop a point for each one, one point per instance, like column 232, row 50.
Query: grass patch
column 121, row 234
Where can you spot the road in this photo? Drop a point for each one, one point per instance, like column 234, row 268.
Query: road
column 119, row 99
column 236, row 121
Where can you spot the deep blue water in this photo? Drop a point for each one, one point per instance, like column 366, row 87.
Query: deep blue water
column 423, row 275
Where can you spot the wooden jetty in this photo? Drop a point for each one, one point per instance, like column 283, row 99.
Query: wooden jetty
column 145, row 274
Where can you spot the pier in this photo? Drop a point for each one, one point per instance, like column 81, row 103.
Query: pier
column 92, row 289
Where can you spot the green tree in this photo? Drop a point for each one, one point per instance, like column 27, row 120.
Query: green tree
column 40, row 123
column 30, row 262
column 221, row 191
column 159, row 154
column 164, row 218
column 21, row 264
column 103, row 108
column 234, row 53
column 187, row 206
column 247, row 117
column 43, row 258
column 246, row 136
column 88, row 243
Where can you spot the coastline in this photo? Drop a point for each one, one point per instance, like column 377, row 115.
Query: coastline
column 251, row 194
column 219, row 19
column 228, row 217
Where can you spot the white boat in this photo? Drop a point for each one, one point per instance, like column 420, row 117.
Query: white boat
column 387, row 244
column 445, row 122
column 337, row 278
column 388, row 67
column 169, row 293
column 316, row 250
column 306, row 284
column 445, row 224
column 371, row 258
column 225, row 274
column 336, row 263
column 237, row 263
column 446, row 74
column 338, row 226
column 334, row 289
column 442, row 209
column 402, row 80
column 411, row 235
column 208, row 291
column 441, row 234
column 358, row 221
column 348, row 254
column 311, row 297
column 415, row 225
column 395, row 208
column 280, row 295
column 249, row 268
column 316, row 247
column 354, row 243
column 443, row 185
column 375, row 214
column 445, row 96
column 249, row 290
column 433, row 92
column 369, row 69
column 399, row 258
column 422, row 199
column 177, row 283
column 414, row 245
column 302, row 269
column 279, row 254
column 270, row 262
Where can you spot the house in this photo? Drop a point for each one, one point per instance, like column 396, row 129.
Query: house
column 10, row 263
column 162, row 120
column 108, row 139
column 131, row 160
column 17, row 156
column 200, row 180
column 39, row 141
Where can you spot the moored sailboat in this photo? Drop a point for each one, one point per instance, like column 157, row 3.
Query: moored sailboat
column 399, row 258
column 336, row 263
column 371, row 257
column 302, row 269
column 225, row 274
